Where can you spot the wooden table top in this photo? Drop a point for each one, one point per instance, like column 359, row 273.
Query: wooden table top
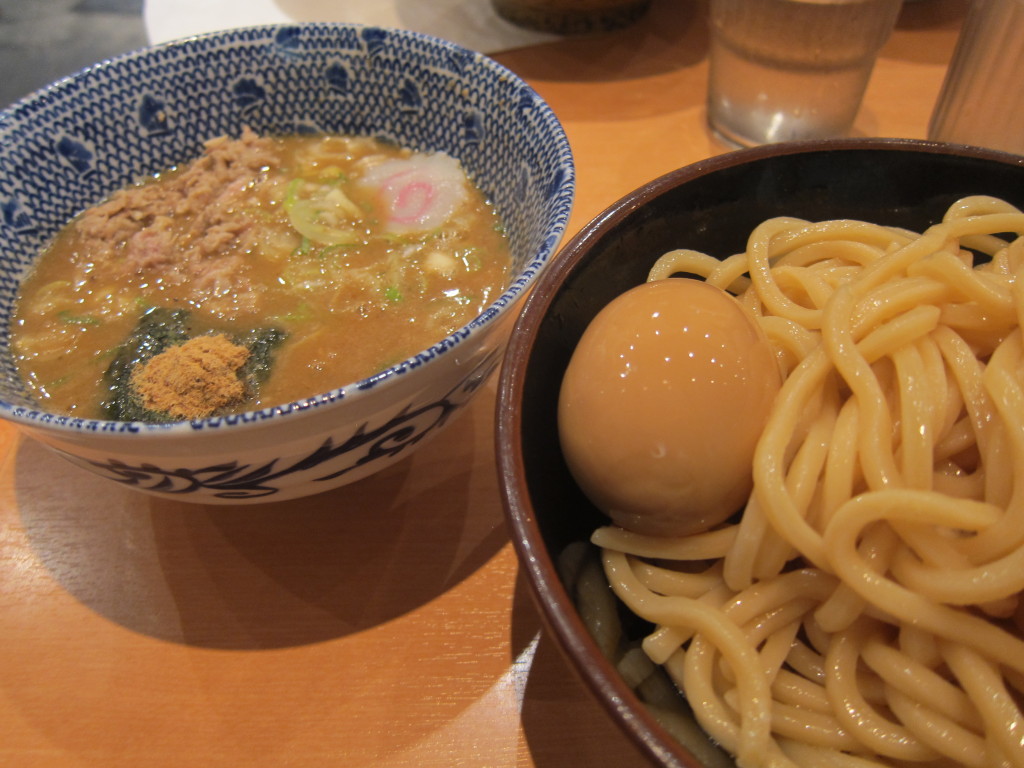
column 385, row 624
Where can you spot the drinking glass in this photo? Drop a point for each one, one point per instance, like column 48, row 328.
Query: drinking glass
column 783, row 70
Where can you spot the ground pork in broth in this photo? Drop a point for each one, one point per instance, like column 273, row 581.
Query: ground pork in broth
column 356, row 252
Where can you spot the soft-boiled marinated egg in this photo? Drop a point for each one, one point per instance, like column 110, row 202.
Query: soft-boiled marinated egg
column 662, row 405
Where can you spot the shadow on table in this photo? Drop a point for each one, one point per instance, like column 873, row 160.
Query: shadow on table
column 267, row 575
column 922, row 18
column 562, row 721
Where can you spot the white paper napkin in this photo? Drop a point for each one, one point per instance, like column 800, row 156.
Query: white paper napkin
column 470, row 23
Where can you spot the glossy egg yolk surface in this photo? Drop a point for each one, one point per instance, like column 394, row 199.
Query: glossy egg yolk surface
column 662, row 405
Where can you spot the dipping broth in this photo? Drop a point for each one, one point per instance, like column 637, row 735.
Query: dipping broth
column 340, row 255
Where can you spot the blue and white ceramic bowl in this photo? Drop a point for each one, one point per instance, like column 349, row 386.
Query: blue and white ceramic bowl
column 70, row 145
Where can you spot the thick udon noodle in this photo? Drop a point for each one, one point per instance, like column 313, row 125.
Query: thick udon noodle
column 865, row 608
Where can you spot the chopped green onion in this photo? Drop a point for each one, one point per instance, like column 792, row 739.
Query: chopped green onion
column 317, row 217
column 328, row 250
column 305, row 217
column 304, row 247
column 66, row 316
column 338, row 178
column 302, row 313
column 291, row 193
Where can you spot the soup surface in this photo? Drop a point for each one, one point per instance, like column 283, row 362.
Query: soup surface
column 324, row 258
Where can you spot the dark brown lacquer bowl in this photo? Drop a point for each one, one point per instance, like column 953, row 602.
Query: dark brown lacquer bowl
column 709, row 206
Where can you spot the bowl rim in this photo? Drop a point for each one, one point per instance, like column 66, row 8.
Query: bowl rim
column 558, row 612
column 520, row 281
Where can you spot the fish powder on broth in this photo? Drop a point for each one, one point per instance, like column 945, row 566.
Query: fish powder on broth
column 359, row 251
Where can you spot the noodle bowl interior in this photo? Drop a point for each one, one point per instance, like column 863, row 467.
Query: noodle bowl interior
column 864, row 606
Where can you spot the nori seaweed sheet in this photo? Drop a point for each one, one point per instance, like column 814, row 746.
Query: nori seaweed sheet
column 159, row 329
